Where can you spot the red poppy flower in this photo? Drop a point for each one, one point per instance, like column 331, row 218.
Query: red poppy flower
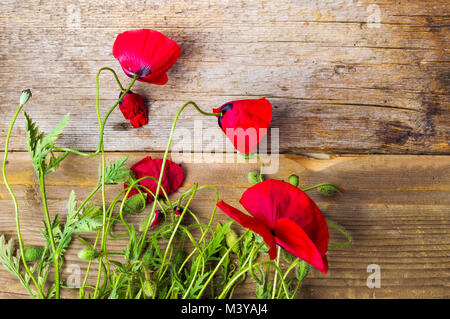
column 172, row 178
column 284, row 215
column 133, row 109
column 245, row 122
column 147, row 53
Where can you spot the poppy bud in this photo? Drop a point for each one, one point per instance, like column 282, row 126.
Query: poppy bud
column 88, row 254
column 293, row 180
column 178, row 211
column 146, row 259
column 33, row 253
column 253, row 178
column 232, row 240
column 25, row 96
column 328, row 189
column 156, row 219
column 133, row 109
column 149, row 288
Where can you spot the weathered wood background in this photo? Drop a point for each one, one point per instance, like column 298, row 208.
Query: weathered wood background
column 339, row 81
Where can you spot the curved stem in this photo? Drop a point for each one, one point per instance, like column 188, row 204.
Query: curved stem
column 101, row 123
column 48, row 225
column 158, row 187
column 16, row 206
column 225, row 255
column 349, row 238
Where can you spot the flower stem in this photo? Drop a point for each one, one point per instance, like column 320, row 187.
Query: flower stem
column 347, row 235
column 158, row 187
column 277, row 263
column 101, row 123
column 319, row 185
column 16, row 206
column 48, row 225
column 225, row 255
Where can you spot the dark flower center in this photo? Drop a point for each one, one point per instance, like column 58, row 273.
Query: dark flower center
column 223, row 110
column 141, row 73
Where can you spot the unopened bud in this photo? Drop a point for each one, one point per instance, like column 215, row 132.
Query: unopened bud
column 87, row 254
column 149, row 288
column 293, row 180
column 253, row 178
column 33, row 253
column 328, row 189
column 147, row 258
column 232, row 240
column 25, row 96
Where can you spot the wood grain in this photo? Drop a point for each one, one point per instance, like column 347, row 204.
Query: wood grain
column 396, row 208
column 338, row 85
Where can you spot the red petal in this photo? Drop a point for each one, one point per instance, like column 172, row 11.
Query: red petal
column 251, row 223
column 246, row 123
column 291, row 237
column 145, row 52
column 133, row 109
column 172, row 178
column 272, row 200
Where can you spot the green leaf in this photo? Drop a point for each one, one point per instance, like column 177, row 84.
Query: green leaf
column 302, row 270
column 87, row 225
column 135, row 204
column 40, row 145
column 115, row 172
column 71, row 209
column 91, row 211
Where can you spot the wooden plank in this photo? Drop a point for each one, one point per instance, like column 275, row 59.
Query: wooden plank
column 396, row 208
column 338, row 84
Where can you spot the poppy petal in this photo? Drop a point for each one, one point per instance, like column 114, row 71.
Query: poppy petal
column 294, row 240
column 172, row 178
column 272, row 200
column 147, row 53
column 245, row 122
column 251, row 223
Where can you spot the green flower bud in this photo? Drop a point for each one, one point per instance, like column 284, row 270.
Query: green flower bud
column 146, row 259
column 293, row 180
column 33, row 253
column 25, row 96
column 253, row 178
column 149, row 288
column 328, row 189
column 231, row 238
column 87, row 254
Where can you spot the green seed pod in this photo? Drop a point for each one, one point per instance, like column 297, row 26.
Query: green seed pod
column 146, row 259
column 25, row 96
column 33, row 253
column 231, row 238
column 87, row 254
column 328, row 189
column 293, row 180
column 149, row 288
column 253, row 178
